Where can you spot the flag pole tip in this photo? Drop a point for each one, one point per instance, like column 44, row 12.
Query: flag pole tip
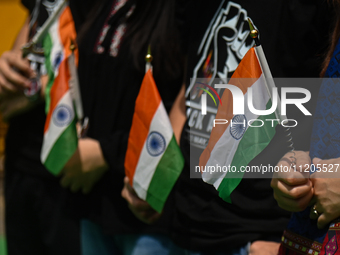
column 254, row 33
column 148, row 57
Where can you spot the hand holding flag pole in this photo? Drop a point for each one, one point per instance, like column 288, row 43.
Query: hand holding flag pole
column 30, row 47
column 153, row 160
column 233, row 144
column 140, row 208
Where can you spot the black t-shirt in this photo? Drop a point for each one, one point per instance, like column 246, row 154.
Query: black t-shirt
column 294, row 34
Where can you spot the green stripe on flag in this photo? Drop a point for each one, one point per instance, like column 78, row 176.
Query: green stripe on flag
column 47, row 43
column 62, row 150
column 252, row 143
column 3, row 245
column 167, row 172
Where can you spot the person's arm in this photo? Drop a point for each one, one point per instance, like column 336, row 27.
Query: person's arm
column 85, row 168
column 177, row 114
column 14, row 70
column 14, row 77
column 264, row 248
column 22, row 37
column 140, row 208
column 93, row 158
column 326, row 184
column 293, row 190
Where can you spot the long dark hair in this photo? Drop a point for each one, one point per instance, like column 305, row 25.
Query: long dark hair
column 153, row 22
column 334, row 38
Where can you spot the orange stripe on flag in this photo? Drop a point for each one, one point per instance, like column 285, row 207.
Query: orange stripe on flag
column 67, row 32
column 248, row 68
column 58, row 90
column 147, row 103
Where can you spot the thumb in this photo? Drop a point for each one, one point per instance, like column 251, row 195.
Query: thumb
column 126, row 180
column 129, row 187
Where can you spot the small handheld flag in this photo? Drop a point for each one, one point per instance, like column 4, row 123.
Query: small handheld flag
column 60, row 134
column 153, row 159
column 236, row 143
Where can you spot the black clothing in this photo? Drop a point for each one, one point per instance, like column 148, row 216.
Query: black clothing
column 293, row 35
column 25, row 134
column 38, row 215
column 37, row 219
column 110, row 86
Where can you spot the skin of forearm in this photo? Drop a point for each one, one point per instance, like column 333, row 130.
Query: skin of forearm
column 22, row 37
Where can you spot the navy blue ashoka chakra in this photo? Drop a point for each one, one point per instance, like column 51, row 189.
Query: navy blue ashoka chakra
column 62, row 115
column 238, row 126
column 155, row 144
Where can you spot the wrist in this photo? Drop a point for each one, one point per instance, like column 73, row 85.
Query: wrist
column 91, row 153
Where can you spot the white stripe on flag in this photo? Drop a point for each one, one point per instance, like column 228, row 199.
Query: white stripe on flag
column 269, row 78
column 147, row 164
column 54, row 131
column 225, row 148
column 57, row 51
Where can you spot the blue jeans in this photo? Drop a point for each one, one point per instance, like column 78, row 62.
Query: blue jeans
column 244, row 250
column 94, row 242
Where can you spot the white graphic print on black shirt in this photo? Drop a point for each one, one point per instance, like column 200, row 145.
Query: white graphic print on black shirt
column 222, row 47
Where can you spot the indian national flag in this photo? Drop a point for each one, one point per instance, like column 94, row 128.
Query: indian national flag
column 60, row 135
column 236, row 145
column 153, row 159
